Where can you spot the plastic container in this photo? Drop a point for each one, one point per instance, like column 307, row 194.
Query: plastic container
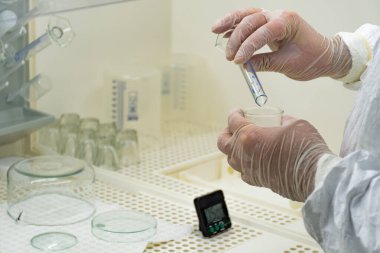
column 50, row 190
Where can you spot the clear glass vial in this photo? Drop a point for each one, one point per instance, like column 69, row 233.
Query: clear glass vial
column 50, row 190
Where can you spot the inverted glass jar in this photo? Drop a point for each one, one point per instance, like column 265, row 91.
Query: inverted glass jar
column 50, row 190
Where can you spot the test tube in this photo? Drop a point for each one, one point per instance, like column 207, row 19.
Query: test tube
column 248, row 72
column 59, row 31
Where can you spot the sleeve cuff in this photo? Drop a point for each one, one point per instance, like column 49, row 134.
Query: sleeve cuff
column 325, row 164
column 361, row 53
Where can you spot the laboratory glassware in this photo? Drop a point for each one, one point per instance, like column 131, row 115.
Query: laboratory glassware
column 69, row 127
column 54, row 241
column 248, row 72
column 90, row 124
column 106, row 157
column 124, row 226
column 70, row 119
column 86, row 146
column 266, row 116
column 32, row 90
column 126, row 144
column 135, row 98
column 50, row 190
column 59, row 31
column 49, row 137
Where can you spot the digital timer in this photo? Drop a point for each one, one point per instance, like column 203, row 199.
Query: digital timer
column 212, row 213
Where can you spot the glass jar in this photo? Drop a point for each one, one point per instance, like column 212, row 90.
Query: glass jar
column 50, row 190
column 266, row 116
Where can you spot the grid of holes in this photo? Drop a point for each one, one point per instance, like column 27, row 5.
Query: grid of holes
column 300, row 249
column 176, row 215
column 190, row 142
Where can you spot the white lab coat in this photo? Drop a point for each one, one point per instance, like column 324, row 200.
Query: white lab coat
column 343, row 212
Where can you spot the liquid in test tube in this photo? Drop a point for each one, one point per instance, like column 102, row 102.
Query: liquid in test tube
column 249, row 74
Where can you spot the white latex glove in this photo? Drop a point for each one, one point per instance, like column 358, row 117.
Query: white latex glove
column 298, row 51
column 283, row 158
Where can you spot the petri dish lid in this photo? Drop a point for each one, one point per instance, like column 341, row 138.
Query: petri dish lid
column 124, row 226
column 50, row 166
column 54, row 241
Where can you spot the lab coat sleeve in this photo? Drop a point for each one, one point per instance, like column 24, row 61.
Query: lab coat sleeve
column 361, row 45
column 343, row 212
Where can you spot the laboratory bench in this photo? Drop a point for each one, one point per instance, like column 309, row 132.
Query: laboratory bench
column 154, row 187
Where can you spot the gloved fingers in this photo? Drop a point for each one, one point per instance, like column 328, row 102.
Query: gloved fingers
column 243, row 30
column 232, row 162
column 230, row 20
column 271, row 61
column 236, row 120
column 224, row 140
column 274, row 30
column 288, row 120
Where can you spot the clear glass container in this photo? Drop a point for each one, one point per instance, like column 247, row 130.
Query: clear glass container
column 124, row 226
column 266, row 116
column 53, row 241
column 50, row 190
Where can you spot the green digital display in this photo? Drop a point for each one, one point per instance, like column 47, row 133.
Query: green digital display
column 214, row 213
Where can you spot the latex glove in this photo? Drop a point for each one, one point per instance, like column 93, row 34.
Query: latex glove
column 283, row 158
column 298, row 50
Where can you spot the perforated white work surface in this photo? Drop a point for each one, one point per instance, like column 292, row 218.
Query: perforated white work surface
column 174, row 213
column 184, row 141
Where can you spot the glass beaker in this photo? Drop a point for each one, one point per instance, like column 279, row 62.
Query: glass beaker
column 106, row 156
column 69, row 126
column 267, row 116
column 126, row 144
column 50, row 190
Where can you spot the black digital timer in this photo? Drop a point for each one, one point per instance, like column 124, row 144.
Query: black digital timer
column 212, row 213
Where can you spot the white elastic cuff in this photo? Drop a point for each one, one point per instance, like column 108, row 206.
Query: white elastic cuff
column 360, row 53
column 325, row 164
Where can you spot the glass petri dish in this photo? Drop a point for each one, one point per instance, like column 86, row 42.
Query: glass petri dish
column 50, row 190
column 124, row 226
column 54, row 241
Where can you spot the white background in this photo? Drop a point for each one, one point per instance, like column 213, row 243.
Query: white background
column 146, row 31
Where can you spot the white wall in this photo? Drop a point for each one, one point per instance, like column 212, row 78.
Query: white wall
column 136, row 32
column 147, row 30
column 324, row 102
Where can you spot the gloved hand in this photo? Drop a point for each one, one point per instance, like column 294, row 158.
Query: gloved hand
column 299, row 51
column 283, row 158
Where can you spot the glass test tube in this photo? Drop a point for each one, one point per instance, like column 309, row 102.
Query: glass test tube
column 249, row 74
column 59, row 31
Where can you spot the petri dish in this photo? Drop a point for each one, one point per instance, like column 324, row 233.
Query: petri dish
column 50, row 190
column 124, row 226
column 54, row 241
